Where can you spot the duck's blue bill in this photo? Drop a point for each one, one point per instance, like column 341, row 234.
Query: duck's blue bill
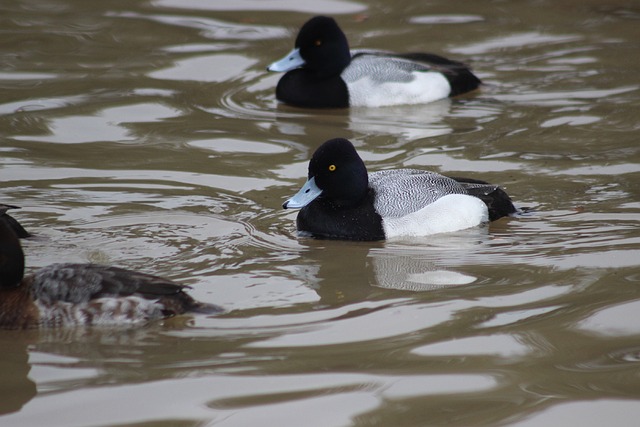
column 307, row 194
column 289, row 62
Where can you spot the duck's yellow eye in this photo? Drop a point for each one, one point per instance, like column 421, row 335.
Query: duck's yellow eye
column 317, row 42
column 332, row 168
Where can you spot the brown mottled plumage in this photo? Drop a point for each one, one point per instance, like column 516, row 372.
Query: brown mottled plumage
column 83, row 294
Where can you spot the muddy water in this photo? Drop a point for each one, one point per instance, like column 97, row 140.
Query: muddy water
column 146, row 135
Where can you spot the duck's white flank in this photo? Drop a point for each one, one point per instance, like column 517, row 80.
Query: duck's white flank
column 449, row 213
column 376, row 80
column 426, row 87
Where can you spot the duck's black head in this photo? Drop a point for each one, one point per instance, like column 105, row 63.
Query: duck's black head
column 11, row 258
column 323, row 46
column 339, row 172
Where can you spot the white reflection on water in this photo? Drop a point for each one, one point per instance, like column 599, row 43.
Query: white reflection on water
column 502, row 345
column 592, row 413
column 415, row 265
column 230, row 145
column 237, row 184
column 618, row 320
column 424, row 385
column 211, row 28
column 570, row 120
column 54, row 368
column 447, row 163
column 38, row 104
column 248, row 292
column 512, row 317
column 302, row 6
column 105, row 125
column 445, row 19
column 330, row 399
column 563, row 97
column 405, row 123
column 385, row 321
column 207, row 68
column 22, row 75
column 517, row 41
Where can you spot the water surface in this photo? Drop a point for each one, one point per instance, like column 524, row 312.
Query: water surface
column 145, row 134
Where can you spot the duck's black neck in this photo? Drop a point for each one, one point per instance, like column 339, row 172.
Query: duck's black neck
column 325, row 220
column 11, row 258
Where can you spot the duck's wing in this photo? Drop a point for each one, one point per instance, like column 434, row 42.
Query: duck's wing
column 383, row 66
column 80, row 283
column 399, row 192
column 497, row 200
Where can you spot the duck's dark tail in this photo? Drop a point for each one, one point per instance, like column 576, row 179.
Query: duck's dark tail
column 172, row 296
column 183, row 303
column 497, row 200
column 460, row 77
column 462, row 80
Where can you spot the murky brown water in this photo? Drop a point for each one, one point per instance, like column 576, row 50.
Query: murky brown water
column 146, row 135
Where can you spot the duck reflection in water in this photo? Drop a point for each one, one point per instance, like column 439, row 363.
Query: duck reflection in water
column 351, row 272
column 16, row 388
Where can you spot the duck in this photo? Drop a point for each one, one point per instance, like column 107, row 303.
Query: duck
column 67, row 294
column 12, row 222
column 342, row 200
column 322, row 72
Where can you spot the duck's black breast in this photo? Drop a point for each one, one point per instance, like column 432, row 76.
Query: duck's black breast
column 304, row 88
column 324, row 219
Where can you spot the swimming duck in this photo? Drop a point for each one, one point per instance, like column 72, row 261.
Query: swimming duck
column 12, row 222
column 83, row 294
column 323, row 73
column 341, row 200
